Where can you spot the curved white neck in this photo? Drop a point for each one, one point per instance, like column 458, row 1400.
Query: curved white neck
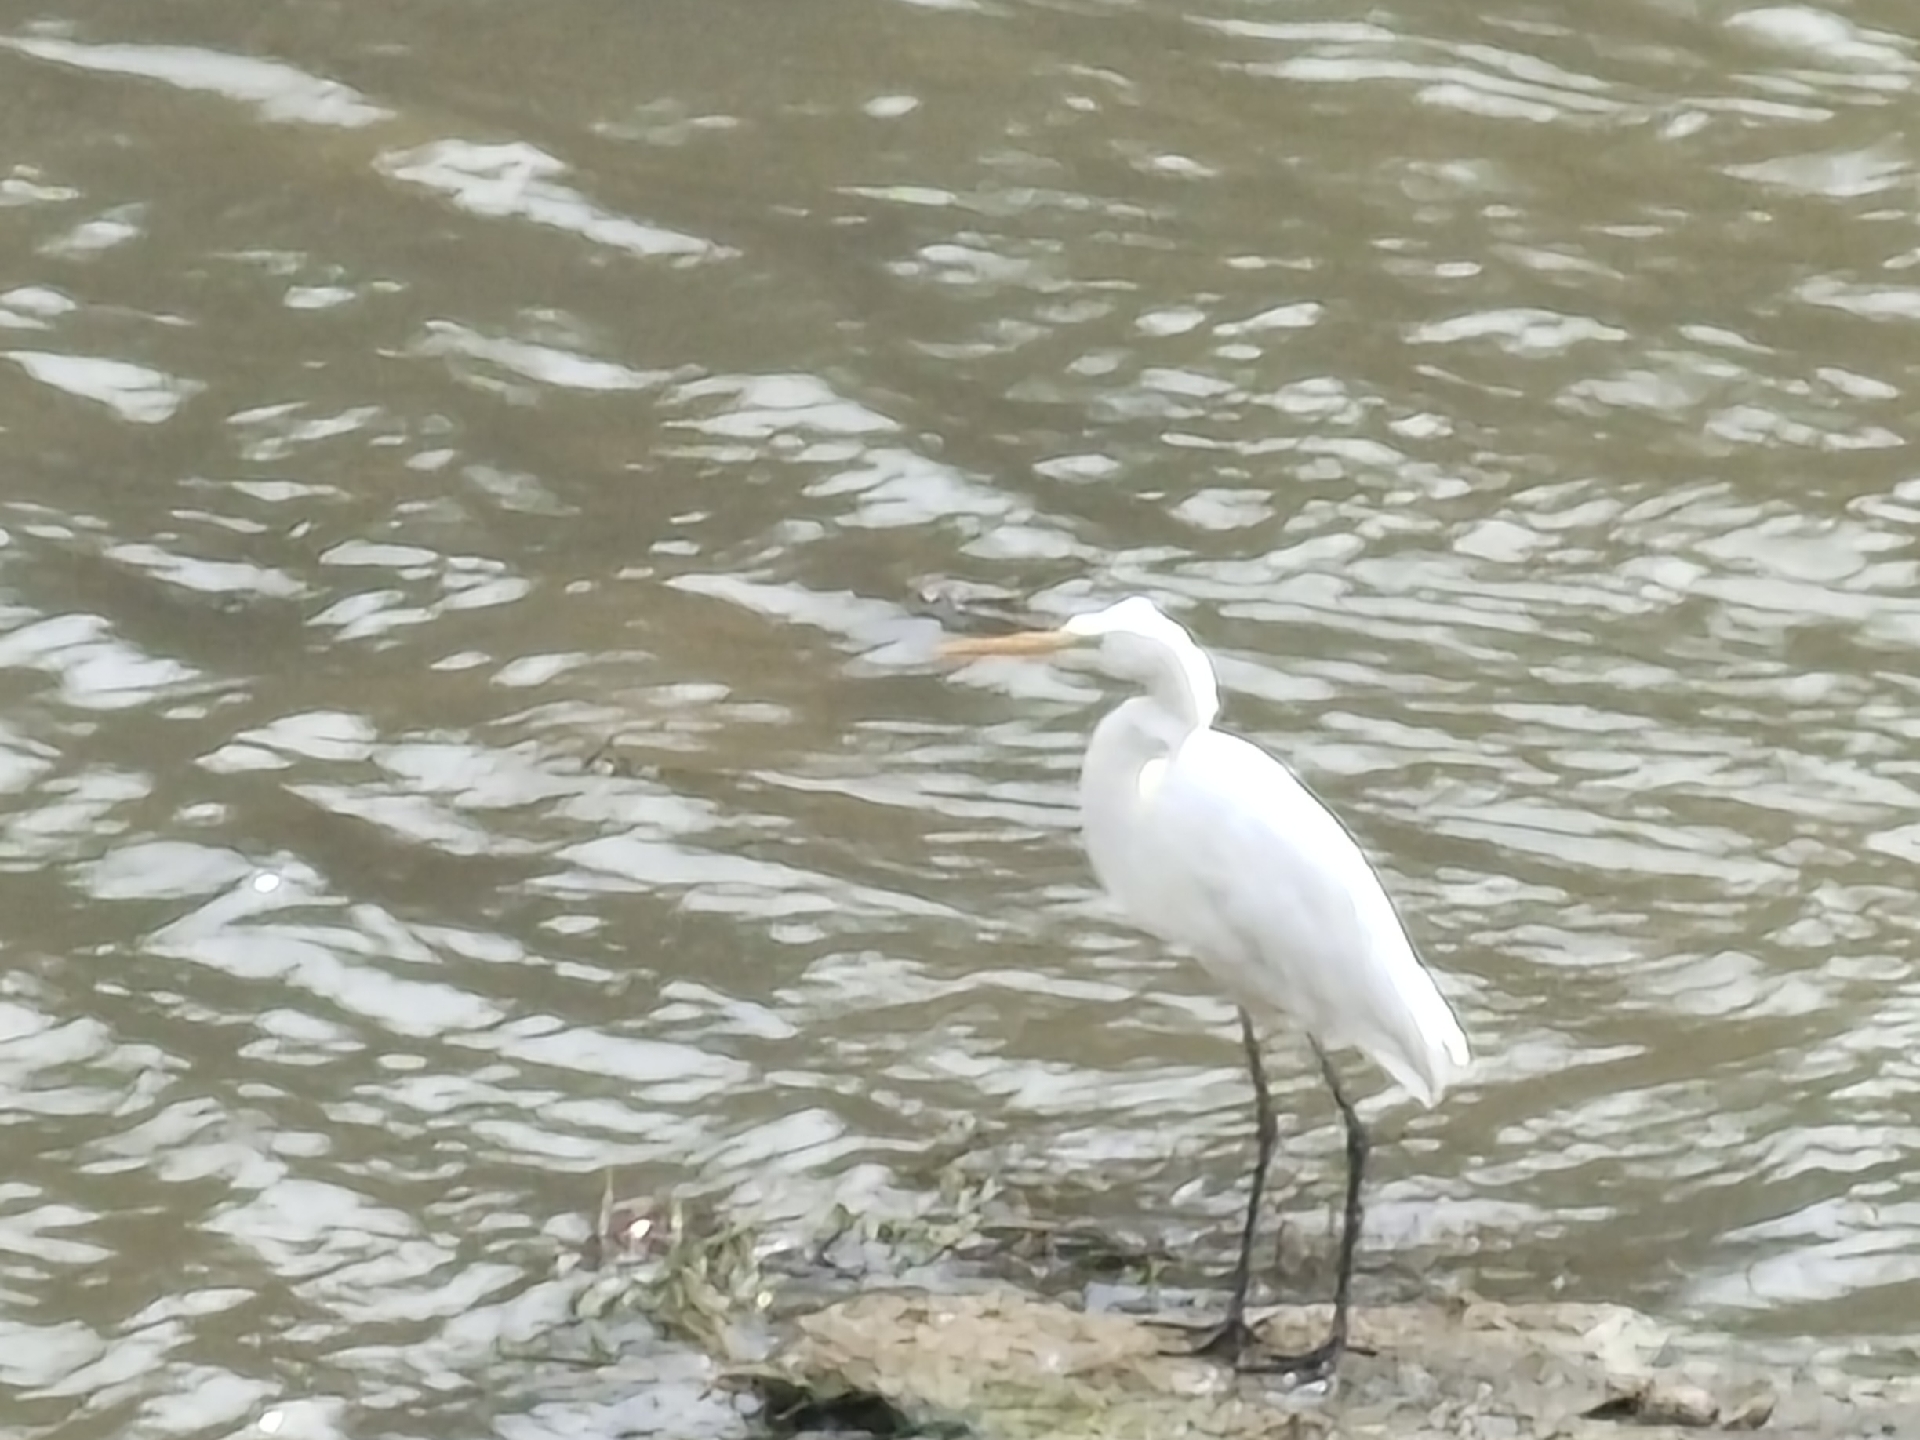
column 1187, row 690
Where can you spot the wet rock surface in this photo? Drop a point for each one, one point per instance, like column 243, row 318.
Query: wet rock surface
column 961, row 1315
column 1000, row 1364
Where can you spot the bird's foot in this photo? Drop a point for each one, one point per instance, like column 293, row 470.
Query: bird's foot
column 1235, row 1344
column 1307, row 1368
column 1229, row 1342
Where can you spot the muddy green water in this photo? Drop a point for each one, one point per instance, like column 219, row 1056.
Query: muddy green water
column 399, row 403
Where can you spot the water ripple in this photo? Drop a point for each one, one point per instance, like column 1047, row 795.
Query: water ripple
column 465, row 730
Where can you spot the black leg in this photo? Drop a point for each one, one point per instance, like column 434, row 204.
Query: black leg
column 1321, row 1361
column 1233, row 1337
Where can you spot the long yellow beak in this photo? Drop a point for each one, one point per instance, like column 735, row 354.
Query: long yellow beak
column 1026, row 642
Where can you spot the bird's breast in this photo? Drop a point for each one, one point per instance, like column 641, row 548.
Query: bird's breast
column 1147, row 783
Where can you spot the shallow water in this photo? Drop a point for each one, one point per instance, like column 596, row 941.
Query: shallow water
column 466, row 726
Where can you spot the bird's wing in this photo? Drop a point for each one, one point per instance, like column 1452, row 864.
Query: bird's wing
column 1243, row 866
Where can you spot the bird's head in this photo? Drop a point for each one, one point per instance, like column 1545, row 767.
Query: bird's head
column 1133, row 639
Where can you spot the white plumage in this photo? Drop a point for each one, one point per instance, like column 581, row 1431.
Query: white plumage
column 1215, row 847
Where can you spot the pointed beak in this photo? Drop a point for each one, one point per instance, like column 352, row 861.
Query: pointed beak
column 1026, row 642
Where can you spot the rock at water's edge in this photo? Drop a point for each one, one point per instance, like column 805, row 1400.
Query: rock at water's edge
column 998, row 1364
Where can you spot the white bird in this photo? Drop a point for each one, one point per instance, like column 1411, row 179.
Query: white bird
column 1215, row 847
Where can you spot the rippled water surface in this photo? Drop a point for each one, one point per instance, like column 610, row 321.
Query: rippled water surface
column 465, row 725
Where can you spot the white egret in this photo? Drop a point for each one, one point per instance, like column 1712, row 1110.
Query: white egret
column 1215, row 847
